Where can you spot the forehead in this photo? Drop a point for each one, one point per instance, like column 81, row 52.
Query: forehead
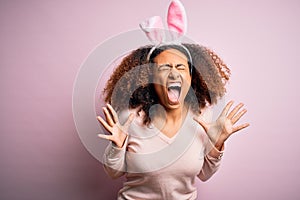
column 171, row 56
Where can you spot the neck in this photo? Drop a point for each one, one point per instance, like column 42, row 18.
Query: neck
column 169, row 116
column 175, row 115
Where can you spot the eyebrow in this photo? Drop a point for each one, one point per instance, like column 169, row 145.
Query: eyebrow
column 169, row 65
column 180, row 64
column 163, row 65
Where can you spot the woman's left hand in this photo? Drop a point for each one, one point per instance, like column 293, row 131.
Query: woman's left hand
column 220, row 130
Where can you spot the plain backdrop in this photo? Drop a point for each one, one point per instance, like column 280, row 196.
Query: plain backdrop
column 43, row 43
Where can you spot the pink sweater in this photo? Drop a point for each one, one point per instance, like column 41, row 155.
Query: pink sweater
column 159, row 167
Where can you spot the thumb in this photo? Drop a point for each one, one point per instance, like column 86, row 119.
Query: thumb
column 202, row 122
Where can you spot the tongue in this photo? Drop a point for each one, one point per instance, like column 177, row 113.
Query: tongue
column 173, row 95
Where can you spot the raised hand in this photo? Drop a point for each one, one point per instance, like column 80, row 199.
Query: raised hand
column 220, row 130
column 118, row 132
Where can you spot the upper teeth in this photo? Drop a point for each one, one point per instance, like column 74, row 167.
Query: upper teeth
column 174, row 84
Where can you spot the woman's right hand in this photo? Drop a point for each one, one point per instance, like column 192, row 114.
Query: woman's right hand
column 118, row 132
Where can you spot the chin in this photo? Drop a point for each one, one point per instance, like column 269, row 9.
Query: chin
column 173, row 106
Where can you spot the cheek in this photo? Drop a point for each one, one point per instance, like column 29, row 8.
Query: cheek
column 159, row 78
column 159, row 84
column 187, row 78
column 187, row 83
column 159, row 90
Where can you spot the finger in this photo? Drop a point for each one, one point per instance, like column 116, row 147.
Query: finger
column 238, row 116
column 104, row 124
column 240, row 127
column 227, row 107
column 129, row 120
column 235, row 110
column 202, row 123
column 108, row 116
column 113, row 112
column 107, row 137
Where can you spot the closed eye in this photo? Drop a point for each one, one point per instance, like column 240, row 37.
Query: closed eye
column 164, row 67
column 180, row 66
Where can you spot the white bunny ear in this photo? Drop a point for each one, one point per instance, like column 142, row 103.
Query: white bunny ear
column 153, row 27
column 176, row 19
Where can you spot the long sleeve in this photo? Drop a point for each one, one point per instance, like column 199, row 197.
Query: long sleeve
column 114, row 160
column 211, row 163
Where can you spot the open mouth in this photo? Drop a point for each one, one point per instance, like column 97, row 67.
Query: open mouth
column 174, row 90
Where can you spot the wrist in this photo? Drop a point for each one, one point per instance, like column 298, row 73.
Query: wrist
column 121, row 143
column 217, row 152
column 219, row 145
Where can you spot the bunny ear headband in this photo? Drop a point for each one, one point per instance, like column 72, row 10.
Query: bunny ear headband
column 177, row 24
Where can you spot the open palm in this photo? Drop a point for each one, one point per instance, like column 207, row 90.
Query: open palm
column 112, row 125
column 220, row 130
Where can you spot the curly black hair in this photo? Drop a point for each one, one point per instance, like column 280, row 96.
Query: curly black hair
column 130, row 86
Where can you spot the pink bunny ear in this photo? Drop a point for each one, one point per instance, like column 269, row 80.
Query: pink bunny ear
column 176, row 19
column 153, row 27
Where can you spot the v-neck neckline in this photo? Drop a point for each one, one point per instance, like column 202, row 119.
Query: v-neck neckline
column 168, row 139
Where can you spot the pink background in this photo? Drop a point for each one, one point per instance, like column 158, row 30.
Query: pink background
column 43, row 44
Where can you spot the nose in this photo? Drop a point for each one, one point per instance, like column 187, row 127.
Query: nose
column 174, row 74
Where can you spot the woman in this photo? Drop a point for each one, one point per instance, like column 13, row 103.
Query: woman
column 164, row 143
